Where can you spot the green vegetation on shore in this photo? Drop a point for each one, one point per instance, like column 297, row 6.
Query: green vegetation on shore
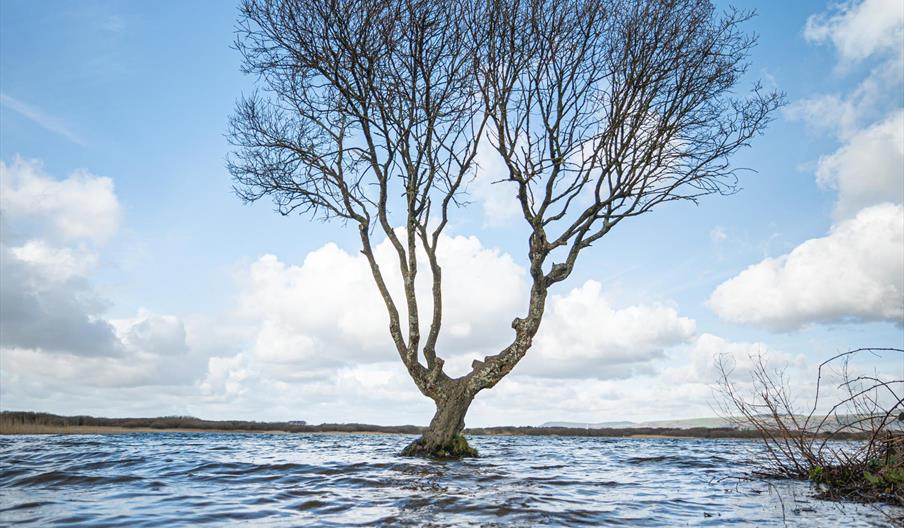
column 879, row 479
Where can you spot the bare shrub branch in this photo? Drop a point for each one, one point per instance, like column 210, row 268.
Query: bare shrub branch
column 805, row 446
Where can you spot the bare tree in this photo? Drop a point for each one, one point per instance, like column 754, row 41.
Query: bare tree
column 370, row 111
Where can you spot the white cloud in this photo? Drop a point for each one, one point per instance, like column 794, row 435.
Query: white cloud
column 55, row 264
column 368, row 393
column 683, row 388
column 278, row 344
column 313, row 334
column 52, row 324
column 320, row 348
column 709, row 350
column 868, row 169
column 327, row 311
column 584, row 336
column 497, row 197
column 226, row 377
column 854, row 273
column 155, row 334
column 150, row 349
column 528, row 400
column 321, row 335
column 878, row 94
column 80, row 207
column 859, row 29
column 48, row 306
column 82, row 371
column 47, row 302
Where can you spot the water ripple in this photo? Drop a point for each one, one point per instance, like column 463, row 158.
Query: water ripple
column 189, row 479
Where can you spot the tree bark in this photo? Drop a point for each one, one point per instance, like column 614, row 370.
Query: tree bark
column 443, row 438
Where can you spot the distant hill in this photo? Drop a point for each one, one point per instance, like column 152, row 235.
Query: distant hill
column 598, row 425
column 690, row 423
column 827, row 423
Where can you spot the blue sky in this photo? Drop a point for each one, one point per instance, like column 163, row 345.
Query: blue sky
column 139, row 93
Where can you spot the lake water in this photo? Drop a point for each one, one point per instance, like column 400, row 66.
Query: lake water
column 173, row 479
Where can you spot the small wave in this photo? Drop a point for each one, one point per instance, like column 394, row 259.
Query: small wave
column 291, row 480
column 244, row 469
column 111, row 464
column 58, row 478
column 310, row 505
column 649, row 459
column 686, row 462
column 26, row 506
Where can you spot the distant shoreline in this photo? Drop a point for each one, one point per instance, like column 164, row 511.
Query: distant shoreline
column 34, row 429
column 115, row 430
column 25, row 423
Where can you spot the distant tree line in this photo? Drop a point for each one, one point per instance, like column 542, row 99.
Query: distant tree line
column 20, row 418
column 13, row 420
column 693, row 432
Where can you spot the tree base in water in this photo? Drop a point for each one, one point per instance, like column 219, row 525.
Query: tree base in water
column 457, row 447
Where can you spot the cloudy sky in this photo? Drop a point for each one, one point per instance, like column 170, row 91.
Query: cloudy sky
column 134, row 283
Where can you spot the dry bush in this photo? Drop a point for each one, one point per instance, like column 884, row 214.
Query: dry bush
column 807, row 445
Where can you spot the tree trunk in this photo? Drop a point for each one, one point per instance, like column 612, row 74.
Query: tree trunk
column 443, row 438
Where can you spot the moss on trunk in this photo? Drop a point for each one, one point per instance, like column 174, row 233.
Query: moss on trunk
column 456, row 447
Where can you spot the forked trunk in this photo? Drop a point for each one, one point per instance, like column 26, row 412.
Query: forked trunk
column 443, row 438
